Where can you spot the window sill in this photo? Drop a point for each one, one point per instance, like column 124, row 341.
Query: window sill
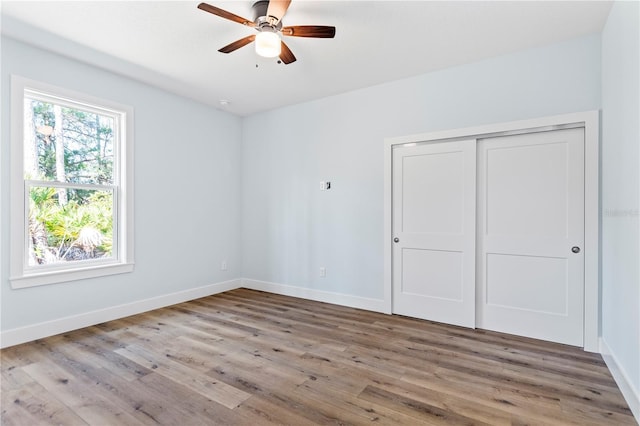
column 53, row 277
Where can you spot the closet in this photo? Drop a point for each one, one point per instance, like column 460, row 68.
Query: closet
column 488, row 231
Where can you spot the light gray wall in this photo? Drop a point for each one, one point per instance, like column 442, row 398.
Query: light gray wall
column 186, row 193
column 291, row 228
column 621, row 188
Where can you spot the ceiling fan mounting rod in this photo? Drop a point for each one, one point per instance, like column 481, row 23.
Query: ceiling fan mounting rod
column 259, row 9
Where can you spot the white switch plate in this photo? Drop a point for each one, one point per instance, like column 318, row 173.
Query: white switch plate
column 223, row 265
column 323, row 272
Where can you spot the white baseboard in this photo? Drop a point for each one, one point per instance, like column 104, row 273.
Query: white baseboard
column 631, row 394
column 376, row 305
column 62, row 325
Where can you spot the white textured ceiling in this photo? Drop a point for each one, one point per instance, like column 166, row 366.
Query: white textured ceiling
column 174, row 45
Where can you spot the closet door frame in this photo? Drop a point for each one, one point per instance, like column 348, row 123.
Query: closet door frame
column 588, row 120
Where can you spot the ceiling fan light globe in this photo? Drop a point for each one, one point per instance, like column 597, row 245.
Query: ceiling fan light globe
column 268, row 44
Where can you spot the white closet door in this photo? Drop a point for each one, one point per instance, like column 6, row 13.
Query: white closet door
column 531, row 234
column 434, row 229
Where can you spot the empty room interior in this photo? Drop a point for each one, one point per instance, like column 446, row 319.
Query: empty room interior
column 320, row 212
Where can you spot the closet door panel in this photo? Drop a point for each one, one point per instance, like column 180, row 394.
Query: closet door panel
column 530, row 235
column 434, row 225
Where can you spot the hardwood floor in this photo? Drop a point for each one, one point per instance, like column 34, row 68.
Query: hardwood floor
column 246, row 357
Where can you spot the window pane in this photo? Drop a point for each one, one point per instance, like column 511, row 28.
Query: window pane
column 67, row 144
column 69, row 225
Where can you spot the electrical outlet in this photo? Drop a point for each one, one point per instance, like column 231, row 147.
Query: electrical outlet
column 323, row 272
column 323, row 185
column 223, row 265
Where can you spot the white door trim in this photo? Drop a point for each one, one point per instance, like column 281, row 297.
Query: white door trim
column 590, row 120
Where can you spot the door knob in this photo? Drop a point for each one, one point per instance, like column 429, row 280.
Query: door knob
column 575, row 249
column 396, row 240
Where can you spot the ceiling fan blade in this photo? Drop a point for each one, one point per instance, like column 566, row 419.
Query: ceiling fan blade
column 286, row 55
column 224, row 14
column 237, row 44
column 277, row 8
column 317, row 31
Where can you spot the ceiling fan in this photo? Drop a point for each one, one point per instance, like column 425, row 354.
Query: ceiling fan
column 267, row 20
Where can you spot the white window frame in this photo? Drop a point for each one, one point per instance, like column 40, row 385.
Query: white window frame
column 21, row 274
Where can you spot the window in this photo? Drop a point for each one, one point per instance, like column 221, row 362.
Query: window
column 71, row 185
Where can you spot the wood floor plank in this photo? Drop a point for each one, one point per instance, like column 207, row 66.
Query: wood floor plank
column 31, row 405
column 285, row 397
column 421, row 411
column 79, row 396
column 481, row 402
column 171, row 403
column 74, row 348
column 219, row 392
column 370, row 412
column 252, row 358
column 591, row 375
column 269, row 413
column 15, row 378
